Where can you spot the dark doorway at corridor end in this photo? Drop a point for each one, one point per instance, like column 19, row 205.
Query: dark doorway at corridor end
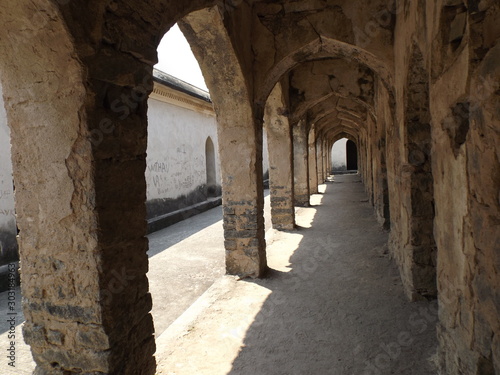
column 351, row 156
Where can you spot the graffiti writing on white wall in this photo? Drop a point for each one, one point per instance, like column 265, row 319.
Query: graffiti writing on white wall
column 158, row 167
column 181, row 171
column 5, row 194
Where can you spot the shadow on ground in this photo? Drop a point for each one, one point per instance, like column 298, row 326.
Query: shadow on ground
column 339, row 307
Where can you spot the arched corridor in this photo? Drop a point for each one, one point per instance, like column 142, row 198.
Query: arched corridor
column 415, row 87
column 350, row 324
column 332, row 304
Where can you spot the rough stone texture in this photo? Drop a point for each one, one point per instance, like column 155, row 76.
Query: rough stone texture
column 313, row 162
column 415, row 84
column 301, row 164
column 416, row 252
column 465, row 184
column 241, row 136
column 319, row 160
column 280, row 146
column 326, row 156
column 470, row 289
column 66, row 248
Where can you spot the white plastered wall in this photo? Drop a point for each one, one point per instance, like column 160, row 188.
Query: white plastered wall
column 176, row 162
column 339, row 156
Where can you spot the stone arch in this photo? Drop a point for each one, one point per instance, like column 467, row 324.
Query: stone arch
column 241, row 132
column 337, row 154
column 340, row 131
column 302, row 109
column 323, row 47
column 342, row 134
column 333, row 107
column 333, row 78
column 210, row 166
column 328, row 123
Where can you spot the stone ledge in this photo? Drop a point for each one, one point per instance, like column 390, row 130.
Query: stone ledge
column 163, row 221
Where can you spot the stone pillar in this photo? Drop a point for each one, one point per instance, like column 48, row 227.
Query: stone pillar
column 319, row 159
column 326, row 172
column 329, row 157
column 362, row 154
column 300, row 164
column 80, row 191
column 240, row 142
column 280, row 146
column 313, row 172
column 242, row 197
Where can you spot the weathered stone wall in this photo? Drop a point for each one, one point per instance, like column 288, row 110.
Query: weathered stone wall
column 433, row 70
column 240, row 130
column 465, row 82
column 379, row 168
column 409, row 144
column 313, row 161
column 280, row 145
column 301, row 191
column 446, row 84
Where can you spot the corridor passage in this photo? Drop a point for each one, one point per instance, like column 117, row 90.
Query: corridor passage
column 333, row 304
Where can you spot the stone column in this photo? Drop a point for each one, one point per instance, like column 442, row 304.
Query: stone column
column 326, row 172
column 319, row 159
column 329, row 157
column 80, row 191
column 240, row 142
column 300, row 163
column 280, row 146
column 313, row 173
column 240, row 148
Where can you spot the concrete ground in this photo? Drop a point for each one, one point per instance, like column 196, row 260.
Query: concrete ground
column 332, row 304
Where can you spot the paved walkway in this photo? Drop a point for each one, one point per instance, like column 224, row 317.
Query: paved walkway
column 332, row 304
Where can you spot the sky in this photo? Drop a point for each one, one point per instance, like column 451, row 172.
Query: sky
column 175, row 58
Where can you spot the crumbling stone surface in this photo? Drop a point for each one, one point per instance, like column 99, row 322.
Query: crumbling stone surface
column 280, row 146
column 241, row 136
column 301, row 164
column 415, row 84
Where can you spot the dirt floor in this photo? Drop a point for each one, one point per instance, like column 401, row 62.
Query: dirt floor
column 333, row 304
